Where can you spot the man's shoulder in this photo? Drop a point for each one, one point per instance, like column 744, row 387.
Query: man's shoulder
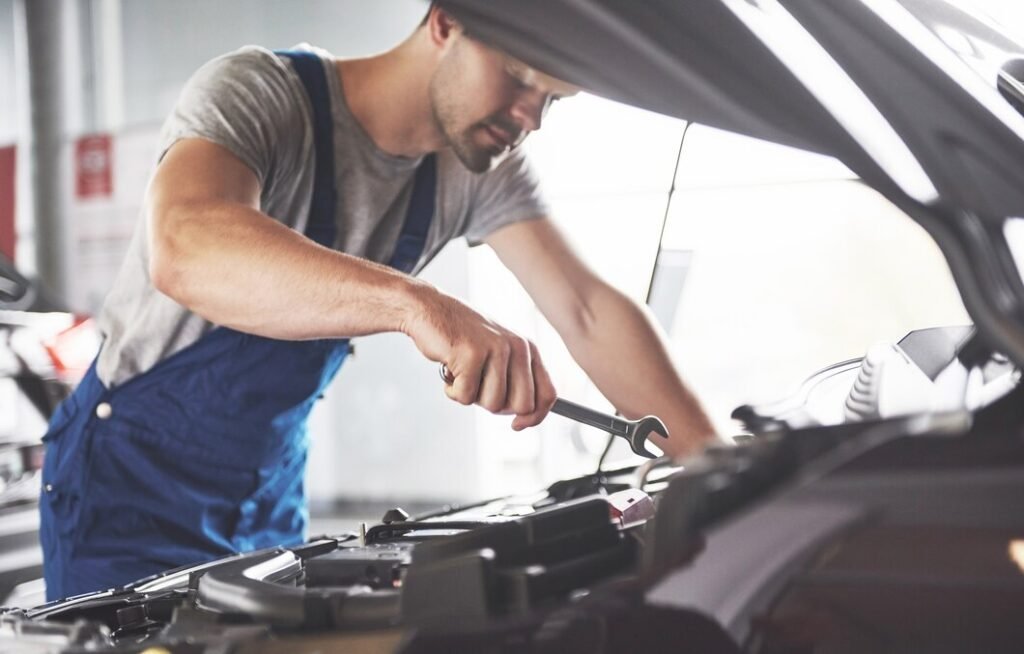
column 247, row 60
column 249, row 79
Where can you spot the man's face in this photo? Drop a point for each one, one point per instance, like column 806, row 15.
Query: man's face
column 485, row 102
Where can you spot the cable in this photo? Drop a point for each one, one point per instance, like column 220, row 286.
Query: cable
column 654, row 269
column 604, row 454
column 664, row 219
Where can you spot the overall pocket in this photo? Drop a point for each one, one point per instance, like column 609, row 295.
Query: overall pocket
column 63, row 462
column 65, row 465
column 147, row 494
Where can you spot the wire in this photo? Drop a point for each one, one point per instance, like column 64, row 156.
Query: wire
column 664, row 218
column 654, row 269
column 604, row 454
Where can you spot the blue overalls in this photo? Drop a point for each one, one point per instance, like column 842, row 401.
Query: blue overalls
column 203, row 455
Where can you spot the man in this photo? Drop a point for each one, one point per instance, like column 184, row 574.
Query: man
column 285, row 181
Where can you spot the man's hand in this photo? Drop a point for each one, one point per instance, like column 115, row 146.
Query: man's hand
column 492, row 366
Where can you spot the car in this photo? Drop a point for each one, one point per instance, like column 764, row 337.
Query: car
column 879, row 509
column 44, row 350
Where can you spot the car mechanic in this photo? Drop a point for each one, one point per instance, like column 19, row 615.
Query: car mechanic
column 186, row 441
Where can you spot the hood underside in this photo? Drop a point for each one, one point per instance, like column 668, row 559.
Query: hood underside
column 874, row 83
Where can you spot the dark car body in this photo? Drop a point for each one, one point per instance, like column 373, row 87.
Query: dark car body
column 884, row 533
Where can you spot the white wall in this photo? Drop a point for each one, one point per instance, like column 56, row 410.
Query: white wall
column 8, row 84
column 165, row 41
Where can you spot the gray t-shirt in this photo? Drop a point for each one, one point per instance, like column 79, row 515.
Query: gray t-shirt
column 253, row 103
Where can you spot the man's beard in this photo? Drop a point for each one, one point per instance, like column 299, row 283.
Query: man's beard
column 475, row 157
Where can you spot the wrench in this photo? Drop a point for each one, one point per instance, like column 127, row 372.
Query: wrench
column 634, row 431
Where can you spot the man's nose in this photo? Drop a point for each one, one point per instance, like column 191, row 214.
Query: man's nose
column 529, row 109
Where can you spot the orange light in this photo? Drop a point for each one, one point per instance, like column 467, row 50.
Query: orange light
column 1017, row 553
column 73, row 349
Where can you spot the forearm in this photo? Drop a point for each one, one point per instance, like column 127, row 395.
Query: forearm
column 237, row 267
column 624, row 352
column 213, row 251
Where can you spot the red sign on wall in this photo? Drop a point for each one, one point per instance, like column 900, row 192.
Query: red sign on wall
column 7, row 178
column 94, row 166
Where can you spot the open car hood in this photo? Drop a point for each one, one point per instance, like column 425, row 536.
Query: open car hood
column 874, row 83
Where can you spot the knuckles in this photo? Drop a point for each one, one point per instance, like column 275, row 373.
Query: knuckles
column 501, row 372
column 492, row 406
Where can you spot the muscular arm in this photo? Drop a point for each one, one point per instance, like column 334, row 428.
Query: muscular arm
column 613, row 339
column 214, row 252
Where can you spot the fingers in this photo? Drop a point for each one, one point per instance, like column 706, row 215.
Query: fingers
column 494, row 387
column 465, row 389
column 489, row 365
column 521, row 396
column 544, row 394
column 506, row 378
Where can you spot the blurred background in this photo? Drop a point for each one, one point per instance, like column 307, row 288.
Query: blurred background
column 771, row 262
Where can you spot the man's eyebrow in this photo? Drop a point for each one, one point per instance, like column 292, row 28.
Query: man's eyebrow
column 520, row 71
column 534, row 78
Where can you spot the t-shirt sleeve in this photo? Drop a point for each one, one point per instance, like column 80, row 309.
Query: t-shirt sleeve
column 246, row 102
column 510, row 193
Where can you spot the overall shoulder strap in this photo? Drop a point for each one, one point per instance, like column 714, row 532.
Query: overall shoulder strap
column 321, row 225
column 413, row 239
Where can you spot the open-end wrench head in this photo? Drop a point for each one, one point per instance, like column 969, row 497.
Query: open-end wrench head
column 643, row 428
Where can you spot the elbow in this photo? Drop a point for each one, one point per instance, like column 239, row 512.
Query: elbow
column 167, row 257
column 581, row 323
column 163, row 275
column 575, row 317
column 585, row 316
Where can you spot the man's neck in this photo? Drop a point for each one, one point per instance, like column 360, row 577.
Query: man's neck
column 389, row 97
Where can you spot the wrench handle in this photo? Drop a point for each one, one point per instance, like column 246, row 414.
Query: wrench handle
column 582, row 414
column 573, row 411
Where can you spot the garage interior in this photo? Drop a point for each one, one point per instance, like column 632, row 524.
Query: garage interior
column 765, row 265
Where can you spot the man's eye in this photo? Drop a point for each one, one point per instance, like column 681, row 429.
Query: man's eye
column 518, row 81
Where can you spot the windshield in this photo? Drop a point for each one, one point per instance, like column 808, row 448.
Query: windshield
column 786, row 263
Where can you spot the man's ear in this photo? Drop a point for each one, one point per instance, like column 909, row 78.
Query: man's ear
column 441, row 25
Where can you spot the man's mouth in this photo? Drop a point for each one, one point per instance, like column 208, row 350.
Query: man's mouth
column 501, row 138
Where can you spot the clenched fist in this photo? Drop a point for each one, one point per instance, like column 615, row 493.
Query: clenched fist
column 491, row 366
